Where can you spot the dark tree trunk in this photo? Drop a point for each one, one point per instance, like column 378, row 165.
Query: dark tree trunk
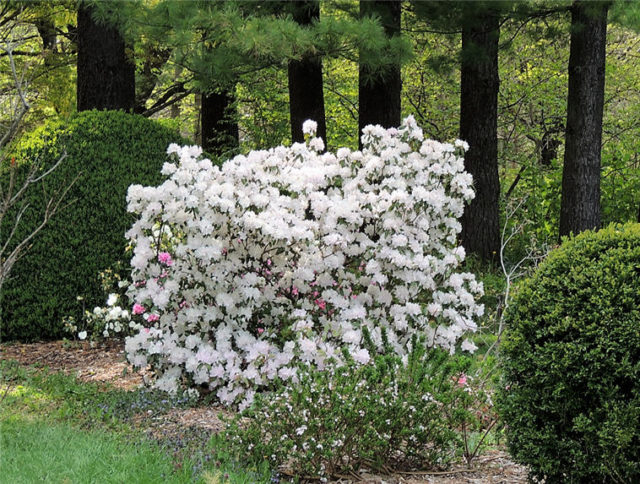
column 306, row 97
column 219, row 127
column 379, row 93
column 106, row 77
column 154, row 60
column 580, row 206
column 48, row 34
column 479, row 127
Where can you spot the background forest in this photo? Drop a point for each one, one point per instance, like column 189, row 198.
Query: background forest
column 196, row 63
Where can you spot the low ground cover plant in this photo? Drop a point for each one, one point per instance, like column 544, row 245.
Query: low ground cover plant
column 570, row 398
column 384, row 416
column 288, row 256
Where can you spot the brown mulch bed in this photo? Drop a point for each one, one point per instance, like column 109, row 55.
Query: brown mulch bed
column 106, row 363
column 103, row 362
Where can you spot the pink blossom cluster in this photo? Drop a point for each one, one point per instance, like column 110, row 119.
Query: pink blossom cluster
column 289, row 255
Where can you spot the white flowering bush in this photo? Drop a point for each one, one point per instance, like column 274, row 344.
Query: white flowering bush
column 284, row 256
column 110, row 321
column 383, row 416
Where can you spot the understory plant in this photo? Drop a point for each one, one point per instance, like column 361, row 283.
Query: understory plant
column 287, row 256
column 388, row 414
column 114, row 319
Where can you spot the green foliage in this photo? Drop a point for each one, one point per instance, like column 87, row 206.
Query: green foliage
column 571, row 362
column 110, row 151
column 379, row 416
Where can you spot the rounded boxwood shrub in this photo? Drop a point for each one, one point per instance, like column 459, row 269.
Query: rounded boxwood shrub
column 571, row 393
column 111, row 150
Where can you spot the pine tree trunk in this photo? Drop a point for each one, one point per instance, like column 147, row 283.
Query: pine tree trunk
column 580, row 206
column 379, row 94
column 306, row 97
column 479, row 127
column 219, row 127
column 106, row 77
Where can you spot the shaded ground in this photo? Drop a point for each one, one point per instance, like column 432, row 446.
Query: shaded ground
column 106, row 363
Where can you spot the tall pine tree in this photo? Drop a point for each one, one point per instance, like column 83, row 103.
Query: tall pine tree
column 479, row 127
column 105, row 75
column 306, row 95
column 379, row 89
column 580, row 206
column 218, row 124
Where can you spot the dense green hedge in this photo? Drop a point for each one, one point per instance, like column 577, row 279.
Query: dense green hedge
column 111, row 150
column 571, row 394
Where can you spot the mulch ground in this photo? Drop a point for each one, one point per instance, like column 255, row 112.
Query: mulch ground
column 106, row 363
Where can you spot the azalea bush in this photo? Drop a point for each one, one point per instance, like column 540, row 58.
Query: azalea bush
column 286, row 256
column 380, row 416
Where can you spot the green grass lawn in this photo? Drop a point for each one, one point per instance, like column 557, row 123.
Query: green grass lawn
column 56, row 429
column 37, row 450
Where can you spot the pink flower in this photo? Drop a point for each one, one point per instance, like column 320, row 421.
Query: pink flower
column 260, row 330
column 268, row 262
column 153, row 318
column 138, row 308
column 321, row 303
column 294, row 291
column 462, row 380
column 165, row 258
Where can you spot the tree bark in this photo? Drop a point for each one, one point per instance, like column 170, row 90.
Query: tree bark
column 479, row 127
column 219, row 128
column 379, row 93
column 306, row 96
column 580, row 205
column 47, row 31
column 106, row 77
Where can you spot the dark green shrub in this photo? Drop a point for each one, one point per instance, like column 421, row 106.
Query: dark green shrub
column 571, row 393
column 111, row 150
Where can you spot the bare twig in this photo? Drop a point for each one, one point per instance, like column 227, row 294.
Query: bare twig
column 13, row 128
column 14, row 192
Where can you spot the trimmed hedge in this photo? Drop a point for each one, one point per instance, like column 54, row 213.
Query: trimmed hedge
column 112, row 150
column 571, row 359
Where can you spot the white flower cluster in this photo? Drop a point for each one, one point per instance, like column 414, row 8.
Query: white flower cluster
column 110, row 320
column 286, row 255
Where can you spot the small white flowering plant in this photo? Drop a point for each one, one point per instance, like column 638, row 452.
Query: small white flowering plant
column 383, row 416
column 113, row 320
column 241, row 272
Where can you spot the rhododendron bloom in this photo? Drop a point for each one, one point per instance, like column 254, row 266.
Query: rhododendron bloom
column 289, row 255
column 165, row 258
